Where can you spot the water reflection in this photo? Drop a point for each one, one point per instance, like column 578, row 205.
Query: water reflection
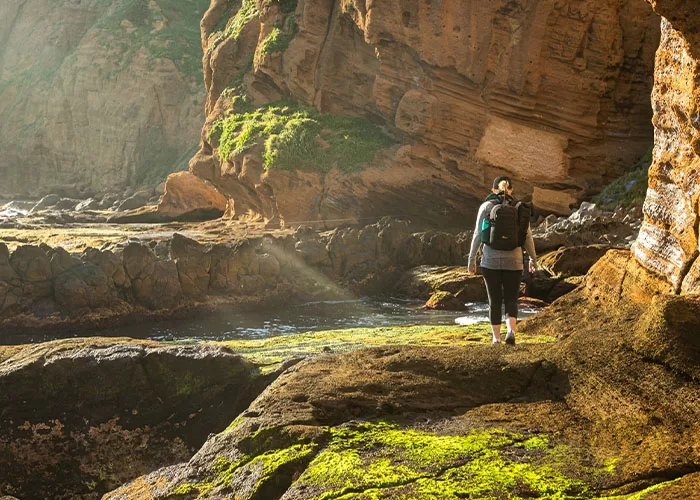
column 310, row 316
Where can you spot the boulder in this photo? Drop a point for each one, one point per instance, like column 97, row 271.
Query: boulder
column 564, row 287
column 445, row 301
column 84, row 288
column 133, row 202
column 668, row 333
column 86, row 415
column 111, row 265
column 66, row 204
column 47, row 201
column 421, row 282
column 228, row 265
column 61, row 261
column 269, row 266
column 109, row 200
column 33, row 267
column 89, row 204
column 193, row 265
column 136, row 257
column 572, row 261
column 313, row 251
column 157, row 285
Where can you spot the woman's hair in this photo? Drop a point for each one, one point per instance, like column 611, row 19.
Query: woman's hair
column 502, row 183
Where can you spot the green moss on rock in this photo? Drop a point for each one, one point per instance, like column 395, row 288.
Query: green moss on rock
column 269, row 352
column 380, row 460
column 299, row 137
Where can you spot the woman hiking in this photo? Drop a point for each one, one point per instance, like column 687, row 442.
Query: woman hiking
column 502, row 263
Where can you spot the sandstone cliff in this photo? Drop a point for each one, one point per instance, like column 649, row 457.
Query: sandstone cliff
column 554, row 93
column 97, row 93
column 667, row 247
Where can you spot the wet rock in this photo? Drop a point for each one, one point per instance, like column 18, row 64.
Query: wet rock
column 157, row 285
column 105, row 412
column 34, row 270
column 445, row 301
column 61, row 261
column 136, row 257
column 269, row 265
column 422, row 281
column 85, row 287
column 110, row 263
column 193, row 265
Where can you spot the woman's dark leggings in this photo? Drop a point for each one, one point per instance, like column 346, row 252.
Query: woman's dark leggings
column 502, row 286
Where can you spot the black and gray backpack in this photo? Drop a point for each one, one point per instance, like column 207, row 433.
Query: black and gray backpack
column 505, row 228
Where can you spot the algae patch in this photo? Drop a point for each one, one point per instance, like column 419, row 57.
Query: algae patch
column 270, row 351
column 380, row 460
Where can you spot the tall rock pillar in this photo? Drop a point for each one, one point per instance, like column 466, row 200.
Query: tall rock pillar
column 667, row 247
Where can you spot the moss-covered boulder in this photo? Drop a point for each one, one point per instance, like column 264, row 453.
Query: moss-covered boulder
column 421, row 282
column 442, row 300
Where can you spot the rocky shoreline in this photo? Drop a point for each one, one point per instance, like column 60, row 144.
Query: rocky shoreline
column 139, row 279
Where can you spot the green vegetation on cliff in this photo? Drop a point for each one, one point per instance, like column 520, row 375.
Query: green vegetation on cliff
column 630, row 189
column 168, row 29
column 231, row 27
column 299, row 137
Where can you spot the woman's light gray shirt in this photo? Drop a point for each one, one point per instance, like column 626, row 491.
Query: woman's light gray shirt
column 506, row 260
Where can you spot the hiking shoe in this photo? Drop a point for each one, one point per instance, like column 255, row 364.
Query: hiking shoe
column 510, row 338
column 494, row 341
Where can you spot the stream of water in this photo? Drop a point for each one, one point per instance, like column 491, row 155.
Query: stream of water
column 312, row 316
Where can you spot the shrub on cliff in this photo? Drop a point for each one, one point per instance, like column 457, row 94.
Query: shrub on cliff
column 299, row 137
column 628, row 190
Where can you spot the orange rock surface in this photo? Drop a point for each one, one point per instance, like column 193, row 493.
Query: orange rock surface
column 553, row 93
column 667, row 247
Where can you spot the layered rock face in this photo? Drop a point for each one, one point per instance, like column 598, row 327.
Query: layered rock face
column 667, row 247
column 97, row 94
column 553, row 93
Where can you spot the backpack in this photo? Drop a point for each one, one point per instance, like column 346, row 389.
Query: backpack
column 506, row 226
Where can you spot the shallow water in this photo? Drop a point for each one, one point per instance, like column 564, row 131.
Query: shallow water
column 311, row 316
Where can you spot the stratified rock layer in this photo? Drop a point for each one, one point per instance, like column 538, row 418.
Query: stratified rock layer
column 667, row 247
column 97, row 94
column 553, row 93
